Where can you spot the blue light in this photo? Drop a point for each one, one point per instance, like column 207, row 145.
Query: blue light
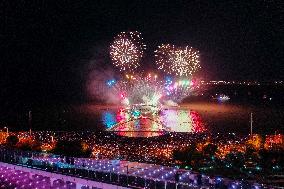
column 218, row 179
column 109, row 119
column 168, row 80
column 111, row 82
column 136, row 113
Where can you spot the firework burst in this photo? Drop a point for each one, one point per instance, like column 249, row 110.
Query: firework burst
column 140, row 89
column 126, row 51
column 177, row 60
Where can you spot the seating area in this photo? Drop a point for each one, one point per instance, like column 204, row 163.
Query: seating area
column 39, row 170
column 17, row 179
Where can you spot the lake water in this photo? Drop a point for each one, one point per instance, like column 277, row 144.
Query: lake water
column 196, row 114
column 192, row 117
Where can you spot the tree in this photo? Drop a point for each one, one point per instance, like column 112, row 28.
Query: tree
column 255, row 142
column 270, row 158
column 184, row 155
column 3, row 136
column 12, row 140
column 29, row 145
column 196, row 158
column 210, row 149
column 71, row 148
column 236, row 159
column 179, row 155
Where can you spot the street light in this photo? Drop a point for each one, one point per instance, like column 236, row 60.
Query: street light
column 7, row 130
column 110, row 170
column 126, row 173
column 251, row 121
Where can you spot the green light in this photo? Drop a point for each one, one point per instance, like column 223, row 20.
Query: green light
column 187, row 82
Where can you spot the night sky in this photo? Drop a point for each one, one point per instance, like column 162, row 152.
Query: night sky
column 46, row 46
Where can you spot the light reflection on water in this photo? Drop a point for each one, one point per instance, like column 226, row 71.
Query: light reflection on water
column 172, row 120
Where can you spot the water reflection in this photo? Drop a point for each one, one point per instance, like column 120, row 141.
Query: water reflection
column 135, row 124
column 182, row 121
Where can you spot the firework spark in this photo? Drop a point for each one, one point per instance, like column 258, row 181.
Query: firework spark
column 177, row 60
column 151, row 90
column 126, row 51
column 139, row 89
